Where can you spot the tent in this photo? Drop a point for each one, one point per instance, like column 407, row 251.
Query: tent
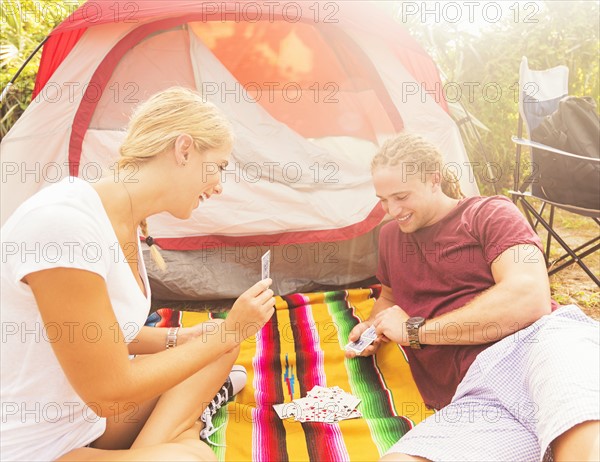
column 312, row 89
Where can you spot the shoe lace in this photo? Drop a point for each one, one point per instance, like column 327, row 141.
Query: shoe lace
column 209, row 429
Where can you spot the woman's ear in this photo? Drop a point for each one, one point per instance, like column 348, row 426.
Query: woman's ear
column 436, row 180
column 183, row 144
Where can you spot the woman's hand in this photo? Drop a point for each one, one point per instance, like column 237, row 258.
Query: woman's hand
column 251, row 311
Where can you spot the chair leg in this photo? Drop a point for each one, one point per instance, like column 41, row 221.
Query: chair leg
column 517, row 172
column 534, row 224
column 556, row 269
column 574, row 257
column 527, row 214
column 578, row 250
column 549, row 239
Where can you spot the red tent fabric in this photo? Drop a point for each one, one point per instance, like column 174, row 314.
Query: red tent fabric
column 94, row 13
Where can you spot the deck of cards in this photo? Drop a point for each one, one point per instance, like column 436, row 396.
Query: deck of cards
column 366, row 338
column 321, row 404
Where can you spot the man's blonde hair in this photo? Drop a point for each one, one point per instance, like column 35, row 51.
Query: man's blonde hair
column 156, row 123
column 422, row 156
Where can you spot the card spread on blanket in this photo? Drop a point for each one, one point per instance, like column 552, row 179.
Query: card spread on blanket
column 321, row 404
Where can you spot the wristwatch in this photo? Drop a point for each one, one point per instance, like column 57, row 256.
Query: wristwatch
column 412, row 327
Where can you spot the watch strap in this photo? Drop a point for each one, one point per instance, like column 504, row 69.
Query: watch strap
column 172, row 337
column 412, row 327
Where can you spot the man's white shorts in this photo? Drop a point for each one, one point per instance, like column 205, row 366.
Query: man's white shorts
column 518, row 395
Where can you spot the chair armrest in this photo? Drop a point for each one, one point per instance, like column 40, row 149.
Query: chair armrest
column 534, row 144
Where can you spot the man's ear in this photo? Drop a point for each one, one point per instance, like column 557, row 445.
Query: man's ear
column 436, row 180
column 183, row 143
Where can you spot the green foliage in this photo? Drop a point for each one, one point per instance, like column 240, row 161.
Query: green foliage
column 25, row 24
column 485, row 63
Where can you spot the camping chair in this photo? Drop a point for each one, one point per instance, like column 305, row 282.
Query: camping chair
column 540, row 94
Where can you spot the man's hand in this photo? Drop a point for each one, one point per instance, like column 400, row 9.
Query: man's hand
column 391, row 323
column 355, row 335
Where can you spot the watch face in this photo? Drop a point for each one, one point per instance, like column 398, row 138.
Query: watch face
column 416, row 321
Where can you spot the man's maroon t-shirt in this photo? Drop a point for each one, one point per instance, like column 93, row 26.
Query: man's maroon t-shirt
column 442, row 267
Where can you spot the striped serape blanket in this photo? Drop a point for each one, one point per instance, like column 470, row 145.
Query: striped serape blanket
column 300, row 347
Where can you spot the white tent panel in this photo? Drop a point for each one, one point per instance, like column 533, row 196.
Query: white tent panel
column 292, row 170
column 420, row 112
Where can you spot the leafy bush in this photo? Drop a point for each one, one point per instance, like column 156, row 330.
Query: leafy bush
column 482, row 67
column 25, row 24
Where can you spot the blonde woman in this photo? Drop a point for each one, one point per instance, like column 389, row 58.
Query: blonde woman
column 73, row 310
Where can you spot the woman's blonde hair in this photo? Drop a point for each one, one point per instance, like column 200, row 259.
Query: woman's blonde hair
column 422, row 156
column 157, row 122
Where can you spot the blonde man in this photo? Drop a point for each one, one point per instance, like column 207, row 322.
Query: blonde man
column 465, row 291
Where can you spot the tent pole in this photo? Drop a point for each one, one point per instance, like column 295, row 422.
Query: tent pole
column 481, row 147
column 12, row 81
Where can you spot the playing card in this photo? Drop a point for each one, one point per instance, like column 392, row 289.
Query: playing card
column 307, row 409
column 318, row 390
column 360, row 344
column 266, row 264
column 322, row 412
column 332, row 403
column 355, row 414
column 280, row 409
column 366, row 338
column 314, row 411
column 369, row 333
column 287, row 410
column 334, row 394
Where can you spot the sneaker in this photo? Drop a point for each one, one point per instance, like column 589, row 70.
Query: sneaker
column 232, row 386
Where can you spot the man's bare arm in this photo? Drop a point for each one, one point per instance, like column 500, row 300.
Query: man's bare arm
column 520, row 296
